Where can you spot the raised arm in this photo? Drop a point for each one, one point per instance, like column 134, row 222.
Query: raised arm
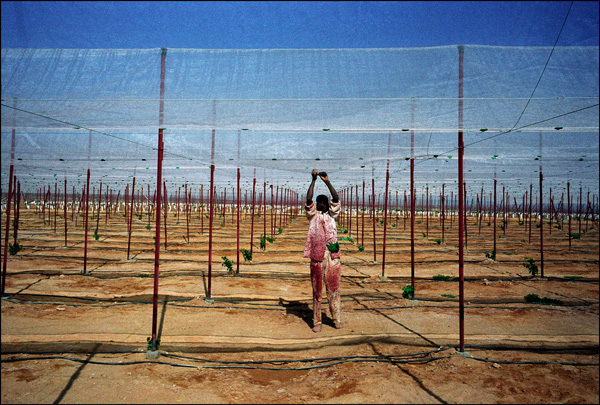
column 311, row 188
column 334, row 195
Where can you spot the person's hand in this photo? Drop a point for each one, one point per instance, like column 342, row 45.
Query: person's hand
column 323, row 176
column 314, row 174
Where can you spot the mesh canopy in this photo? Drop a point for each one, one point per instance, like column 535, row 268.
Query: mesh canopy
column 279, row 113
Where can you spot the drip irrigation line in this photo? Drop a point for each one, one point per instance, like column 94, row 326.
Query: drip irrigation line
column 283, row 308
column 560, row 363
column 308, row 360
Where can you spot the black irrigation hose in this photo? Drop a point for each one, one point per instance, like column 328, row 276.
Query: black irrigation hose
column 279, row 307
column 308, row 360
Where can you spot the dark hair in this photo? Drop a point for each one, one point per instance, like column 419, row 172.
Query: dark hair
column 323, row 198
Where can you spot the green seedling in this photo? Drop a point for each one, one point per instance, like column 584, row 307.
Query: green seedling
column 227, row 264
column 448, row 295
column 438, row 241
column 247, row 255
column 334, row 247
column 361, row 248
column 280, row 230
column 441, row 277
column 575, row 236
column 530, row 265
column 149, row 343
column 14, row 249
column 408, row 292
column 348, row 239
column 535, row 299
column 96, row 236
column 424, row 234
column 573, row 277
column 263, row 243
column 490, row 255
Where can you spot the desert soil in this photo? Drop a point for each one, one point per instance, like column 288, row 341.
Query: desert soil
column 69, row 337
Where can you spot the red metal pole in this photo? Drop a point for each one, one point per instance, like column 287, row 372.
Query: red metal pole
column 541, row 227
column 427, row 209
column 373, row 213
column 130, row 218
column 210, row 227
column 385, row 201
column 166, row 212
column 460, row 200
column 65, row 212
column 494, row 219
column 443, row 213
column 569, row 211
column 264, row 213
column 252, row 213
column 87, row 211
column 187, row 215
column 237, row 269
column 530, row 208
column 7, row 229
column 157, row 231
column 362, row 238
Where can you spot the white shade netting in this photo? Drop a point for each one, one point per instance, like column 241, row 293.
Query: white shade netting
column 277, row 114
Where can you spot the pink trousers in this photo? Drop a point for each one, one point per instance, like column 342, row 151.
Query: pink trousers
column 331, row 269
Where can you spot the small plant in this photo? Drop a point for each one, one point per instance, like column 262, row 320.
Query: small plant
column 573, row 277
column 227, row 264
column 263, row 244
column 270, row 240
column 501, row 226
column 530, row 265
column 247, row 255
column 361, row 248
column 575, row 236
column 96, row 236
column 149, row 343
column 424, row 234
column 280, row 230
column 393, row 225
column 14, row 249
column 489, row 224
column 348, row 239
column 522, row 240
column 535, row 299
column 490, row 255
column 448, row 295
column 438, row 241
column 537, row 225
column 441, row 277
column 521, row 223
column 147, row 227
column 334, row 247
column 408, row 292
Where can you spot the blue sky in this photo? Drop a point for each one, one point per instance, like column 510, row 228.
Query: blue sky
column 249, row 25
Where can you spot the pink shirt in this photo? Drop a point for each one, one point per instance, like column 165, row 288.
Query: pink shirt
column 322, row 231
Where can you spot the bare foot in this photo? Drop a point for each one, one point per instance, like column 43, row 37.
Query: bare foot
column 316, row 328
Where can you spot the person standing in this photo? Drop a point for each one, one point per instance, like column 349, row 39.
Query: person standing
column 322, row 248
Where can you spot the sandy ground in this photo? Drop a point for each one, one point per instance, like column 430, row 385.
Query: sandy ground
column 74, row 338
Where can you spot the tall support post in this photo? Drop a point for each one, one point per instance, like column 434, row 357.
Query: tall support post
column 237, row 269
column 159, row 187
column 460, row 199
column 7, row 229
column 264, row 204
column 373, row 215
column 385, row 207
column 362, row 238
column 530, row 209
column 252, row 213
column 65, row 212
column 443, row 210
column 541, row 213
column 166, row 202
column 413, row 198
column 495, row 204
column 427, row 209
column 569, row 211
column 130, row 217
column 87, row 217
column 211, row 198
